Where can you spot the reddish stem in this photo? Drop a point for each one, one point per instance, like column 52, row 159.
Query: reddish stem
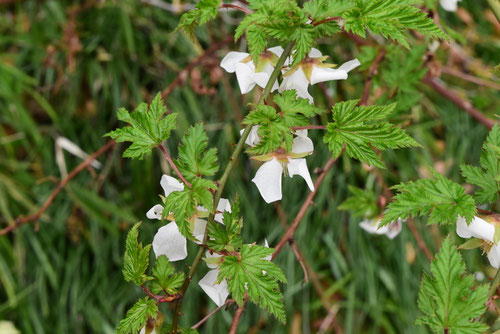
column 309, row 127
column 159, row 298
column 242, row 9
column 328, row 19
column 369, row 79
column 174, row 167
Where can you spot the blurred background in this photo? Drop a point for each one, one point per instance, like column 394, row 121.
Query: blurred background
column 65, row 69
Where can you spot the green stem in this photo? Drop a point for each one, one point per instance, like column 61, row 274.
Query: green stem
column 222, row 184
column 494, row 283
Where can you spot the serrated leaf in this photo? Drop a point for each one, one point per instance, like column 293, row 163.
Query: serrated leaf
column 486, row 178
column 227, row 236
column 183, row 204
column 361, row 130
column 166, row 279
column 137, row 316
column 148, row 128
column 439, row 198
column 194, row 159
column 448, row 298
column 136, row 258
column 205, row 11
column 303, row 38
column 250, row 272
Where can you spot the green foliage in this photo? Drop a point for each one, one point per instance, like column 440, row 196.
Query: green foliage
column 206, row 10
column 441, row 199
column 183, row 204
column 448, row 299
column 227, row 236
column 391, row 19
column 361, row 203
column 148, row 128
column 250, row 272
column 137, row 316
column 166, row 279
column 486, row 178
column 194, row 160
column 136, row 259
column 362, row 129
column 275, row 126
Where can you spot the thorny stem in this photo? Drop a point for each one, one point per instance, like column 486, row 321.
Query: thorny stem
column 222, row 184
column 172, row 164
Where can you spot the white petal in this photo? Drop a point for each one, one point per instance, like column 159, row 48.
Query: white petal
column 299, row 167
column 494, row 256
column 170, row 184
column 208, row 256
column 320, row 74
column 315, row 53
column 449, row 5
column 478, row 228
column 245, row 75
column 217, row 292
column 302, row 144
column 268, row 180
column 261, row 78
column 155, row 212
column 394, row 229
column 231, row 59
column 371, row 226
column 269, row 257
column 277, row 50
column 224, row 205
column 199, row 229
column 170, row 242
column 350, row 65
column 297, row 81
column 253, row 137
column 143, row 331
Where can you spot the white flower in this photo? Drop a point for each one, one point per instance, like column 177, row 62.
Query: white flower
column 253, row 137
column 143, row 331
column 217, row 292
column 449, row 5
column 390, row 230
column 246, row 72
column 169, row 241
column 481, row 229
column 268, row 176
column 312, row 70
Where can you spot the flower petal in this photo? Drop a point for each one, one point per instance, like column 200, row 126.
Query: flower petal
column 350, row 65
column 224, row 205
column 320, row 74
column 261, row 78
column 315, row 53
column 231, row 59
column 298, row 82
column 170, row 184
column 277, row 50
column 299, row 167
column 199, row 229
column 302, row 144
column 253, row 137
column 245, row 75
column 208, row 256
column 170, row 242
column 494, row 256
column 450, row 6
column 478, row 228
column 268, row 180
column 217, row 292
column 155, row 212
column 394, row 229
column 371, row 226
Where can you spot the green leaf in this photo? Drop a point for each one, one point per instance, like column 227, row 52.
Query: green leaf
column 361, row 130
column 303, row 39
column 137, row 316
column 361, row 203
column 205, row 11
column 322, row 9
column 486, row 178
column 136, row 259
column 184, row 203
column 391, row 19
column 275, row 126
column 448, row 298
column 441, row 199
column 166, row 279
column 194, row 160
column 244, row 273
column 227, row 236
column 148, row 128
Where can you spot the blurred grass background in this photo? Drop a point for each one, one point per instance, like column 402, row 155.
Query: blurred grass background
column 67, row 66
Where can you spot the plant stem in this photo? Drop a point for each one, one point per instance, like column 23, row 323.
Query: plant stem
column 494, row 283
column 174, row 167
column 222, row 184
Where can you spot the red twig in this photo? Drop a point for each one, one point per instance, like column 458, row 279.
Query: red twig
column 208, row 316
column 369, row 79
column 420, row 241
column 309, row 127
column 23, row 220
column 159, row 298
column 457, row 100
column 237, row 317
column 307, row 203
column 471, row 78
column 174, row 167
column 242, row 9
column 328, row 19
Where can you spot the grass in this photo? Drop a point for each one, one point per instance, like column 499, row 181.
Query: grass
column 63, row 274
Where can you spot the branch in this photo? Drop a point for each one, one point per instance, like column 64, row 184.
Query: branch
column 369, row 79
column 457, row 100
column 222, row 184
column 208, row 316
column 237, row 317
column 34, row 217
column 307, row 203
column 242, row 9
column 174, row 167
column 328, row 19
column 420, row 241
column 309, row 127
column 471, row 78
column 159, row 298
